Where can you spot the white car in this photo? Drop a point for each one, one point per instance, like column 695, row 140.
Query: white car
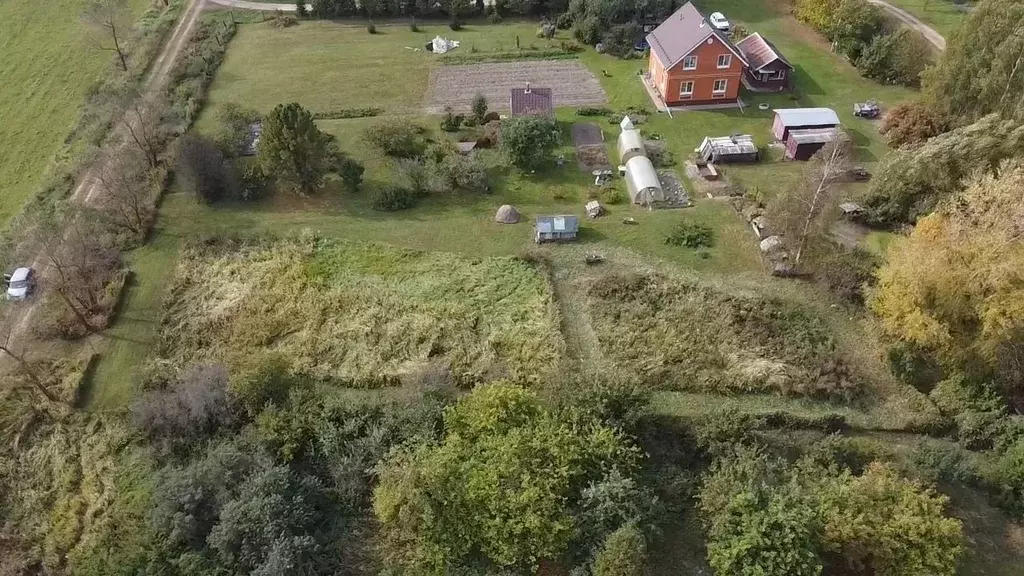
column 20, row 284
column 718, row 20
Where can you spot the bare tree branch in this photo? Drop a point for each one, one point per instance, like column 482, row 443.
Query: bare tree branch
column 109, row 20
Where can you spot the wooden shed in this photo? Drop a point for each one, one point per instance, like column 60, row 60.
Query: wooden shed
column 787, row 119
column 556, row 228
column 768, row 69
column 725, row 149
column 802, row 144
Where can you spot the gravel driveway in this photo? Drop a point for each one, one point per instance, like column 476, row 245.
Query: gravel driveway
column 571, row 84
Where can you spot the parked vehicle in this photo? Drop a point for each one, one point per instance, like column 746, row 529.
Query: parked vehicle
column 867, row 109
column 719, row 21
column 20, row 284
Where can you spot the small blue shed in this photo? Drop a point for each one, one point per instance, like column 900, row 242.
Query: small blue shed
column 556, row 228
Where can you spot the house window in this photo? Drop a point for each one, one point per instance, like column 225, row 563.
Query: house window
column 720, row 86
column 724, row 60
column 779, row 75
column 686, row 89
column 690, row 63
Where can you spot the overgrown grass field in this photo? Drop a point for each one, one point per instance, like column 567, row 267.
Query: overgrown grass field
column 361, row 315
column 47, row 68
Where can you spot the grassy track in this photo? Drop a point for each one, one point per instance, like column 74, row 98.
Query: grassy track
column 47, row 68
column 942, row 15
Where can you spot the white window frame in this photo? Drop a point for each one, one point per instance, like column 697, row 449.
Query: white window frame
column 686, row 63
column 779, row 75
column 725, row 87
column 728, row 61
column 682, row 89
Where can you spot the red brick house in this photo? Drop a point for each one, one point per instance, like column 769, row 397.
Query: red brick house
column 692, row 62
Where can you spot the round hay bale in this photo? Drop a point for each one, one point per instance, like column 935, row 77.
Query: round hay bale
column 507, row 214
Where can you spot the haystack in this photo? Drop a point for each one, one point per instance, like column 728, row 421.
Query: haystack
column 507, row 214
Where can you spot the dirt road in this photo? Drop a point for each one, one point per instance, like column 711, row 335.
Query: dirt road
column 87, row 191
column 930, row 34
column 246, row 5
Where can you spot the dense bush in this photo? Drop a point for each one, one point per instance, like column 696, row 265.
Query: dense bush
column 351, row 173
column 499, row 441
column 850, row 25
column 624, row 553
column 293, row 150
column 480, row 108
column 232, row 130
column 897, row 58
column 758, row 522
column 260, row 381
column 691, row 235
column 592, row 111
column 451, row 122
column 620, row 40
column 588, row 30
column 192, row 406
column 912, row 123
column 979, row 414
column 396, row 138
column 1010, row 472
column 392, row 199
column 911, row 182
column 528, row 141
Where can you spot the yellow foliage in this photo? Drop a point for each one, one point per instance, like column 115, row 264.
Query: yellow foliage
column 955, row 284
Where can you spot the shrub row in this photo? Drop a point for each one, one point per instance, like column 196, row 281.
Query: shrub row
column 346, row 113
column 481, row 57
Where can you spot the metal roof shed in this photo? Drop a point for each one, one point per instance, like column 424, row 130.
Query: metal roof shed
column 802, row 144
column 787, row 119
column 642, row 181
column 556, row 228
column 738, row 148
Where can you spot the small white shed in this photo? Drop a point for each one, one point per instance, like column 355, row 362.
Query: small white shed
column 642, row 181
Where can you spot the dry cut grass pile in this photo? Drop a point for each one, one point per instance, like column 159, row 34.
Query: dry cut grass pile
column 361, row 315
column 682, row 336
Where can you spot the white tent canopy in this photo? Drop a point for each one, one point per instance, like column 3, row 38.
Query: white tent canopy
column 642, row 181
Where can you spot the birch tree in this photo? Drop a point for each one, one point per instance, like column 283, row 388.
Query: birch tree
column 801, row 214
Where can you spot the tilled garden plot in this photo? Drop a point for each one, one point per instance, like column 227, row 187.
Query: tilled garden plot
column 571, row 84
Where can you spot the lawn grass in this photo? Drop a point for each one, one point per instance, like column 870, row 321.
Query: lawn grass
column 47, row 68
column 326, row 65
column 942, row 15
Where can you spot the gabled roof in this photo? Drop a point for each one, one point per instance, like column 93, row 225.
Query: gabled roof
column 681, row 33
column 807, row 116
column 760, row 52
column 525, row 101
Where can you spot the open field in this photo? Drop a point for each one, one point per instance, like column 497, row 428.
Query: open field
column 571, row 84
column 47, row 68
column 325, row 66
column 360, row 315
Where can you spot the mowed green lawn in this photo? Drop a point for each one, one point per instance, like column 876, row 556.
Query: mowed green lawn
column 326, row 66
column 47, row 67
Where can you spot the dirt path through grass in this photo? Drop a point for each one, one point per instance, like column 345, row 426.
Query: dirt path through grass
column 581, row 341
column 930, row 34
column 87, row 190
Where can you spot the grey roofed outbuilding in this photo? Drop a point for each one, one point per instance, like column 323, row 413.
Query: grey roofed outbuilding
column 737, row 148
column 561, row 227
column 681, row 33
column 531, row 101
column 813, row 136
column 642, row 181
column 807, row 116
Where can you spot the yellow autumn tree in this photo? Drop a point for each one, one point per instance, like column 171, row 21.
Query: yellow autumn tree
column 955, row 285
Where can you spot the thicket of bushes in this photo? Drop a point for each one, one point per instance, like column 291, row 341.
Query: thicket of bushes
column 858, row 30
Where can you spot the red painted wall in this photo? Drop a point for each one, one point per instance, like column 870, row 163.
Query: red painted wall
column 703, row 77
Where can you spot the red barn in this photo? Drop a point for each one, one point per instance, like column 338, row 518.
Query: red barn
column 692, row 62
